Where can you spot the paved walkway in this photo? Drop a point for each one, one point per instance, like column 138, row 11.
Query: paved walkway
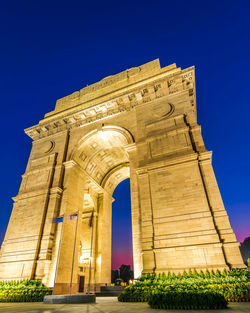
column 106, row 305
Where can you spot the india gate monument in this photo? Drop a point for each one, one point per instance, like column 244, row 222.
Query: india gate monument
column 141, row 124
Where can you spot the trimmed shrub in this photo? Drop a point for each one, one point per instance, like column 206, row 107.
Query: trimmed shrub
column 23, row 291
column 234, row 285
column 224, row 277
column 187, row 300
column 25, row 295
column 133, row 293
column 233, row 292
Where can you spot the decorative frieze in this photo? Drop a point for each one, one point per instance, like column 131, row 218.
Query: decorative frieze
column 125, row 102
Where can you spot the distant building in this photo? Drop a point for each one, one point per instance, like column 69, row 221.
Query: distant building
column 124, row 272
column 245, row 249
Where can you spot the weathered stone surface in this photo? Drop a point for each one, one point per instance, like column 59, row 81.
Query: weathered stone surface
column 59, row 299
column 140, row 124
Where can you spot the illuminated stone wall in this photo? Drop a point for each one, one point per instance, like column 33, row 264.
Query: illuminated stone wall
column 140, row 124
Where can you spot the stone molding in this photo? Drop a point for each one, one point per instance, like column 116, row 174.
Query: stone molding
column 125, row 102
column 159, row 165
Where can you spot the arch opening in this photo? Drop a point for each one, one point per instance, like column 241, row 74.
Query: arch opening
column 122, row 248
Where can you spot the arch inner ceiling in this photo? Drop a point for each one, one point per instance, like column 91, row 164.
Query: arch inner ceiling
column 103, row 156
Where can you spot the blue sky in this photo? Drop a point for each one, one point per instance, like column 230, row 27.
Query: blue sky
column 51, row 48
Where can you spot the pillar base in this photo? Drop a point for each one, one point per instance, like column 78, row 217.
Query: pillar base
column 64, row 289
column 61, row 299
column 241, row 265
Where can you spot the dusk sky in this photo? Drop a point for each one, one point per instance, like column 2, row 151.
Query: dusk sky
column 121, row 226
column 50, row 49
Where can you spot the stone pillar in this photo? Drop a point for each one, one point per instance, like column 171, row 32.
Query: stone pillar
column 146, row 221
column 230, row 246
column 72, row 203
column 103, row 248
column 89, row 228
column 23, row 240
column 50, row 277
column 221, row 221
column 48, row 236
column 135, row 212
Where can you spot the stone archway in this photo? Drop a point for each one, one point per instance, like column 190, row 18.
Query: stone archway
column 102, row 158
column 140, row 123
column 97, row 164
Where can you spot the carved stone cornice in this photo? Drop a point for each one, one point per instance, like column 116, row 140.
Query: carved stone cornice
column 163, row 85
column 31, row 194
column 173, row 162
column 89, row 214
column 130, row 148
column 56, row 191
column 69, row 164
column 205, row 157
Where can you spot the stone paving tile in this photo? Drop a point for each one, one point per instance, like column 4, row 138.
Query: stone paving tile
column 106, row 305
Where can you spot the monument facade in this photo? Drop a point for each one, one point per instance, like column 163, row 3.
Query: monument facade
column 141, row 124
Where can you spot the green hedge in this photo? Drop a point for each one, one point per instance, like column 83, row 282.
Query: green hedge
column 23, row 291
column 187, row 300
column 21, row 284
column 231, row 292
column 233, row 285
column 195, row 278
column 25, row 295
